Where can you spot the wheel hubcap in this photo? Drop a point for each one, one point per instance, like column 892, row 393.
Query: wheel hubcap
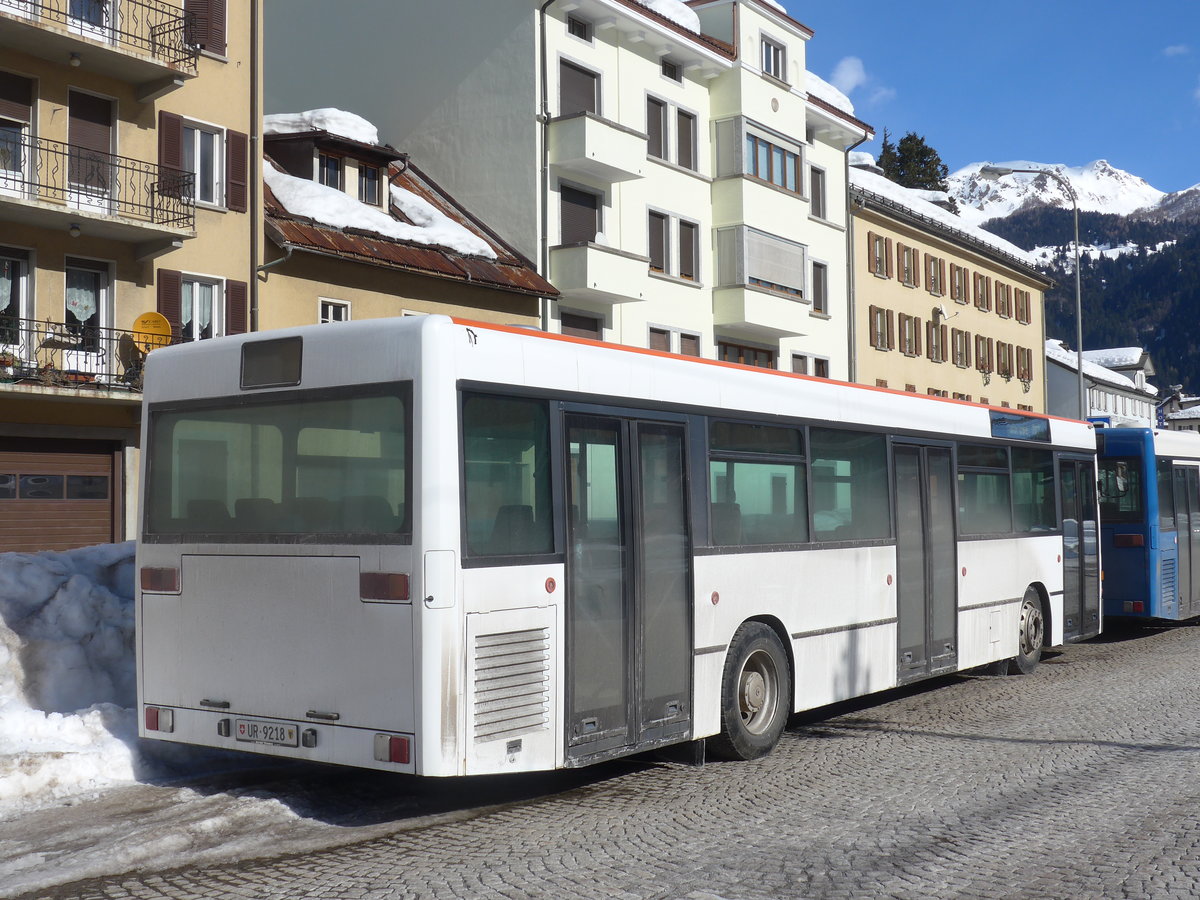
column 757, row 692
column 1031, row 627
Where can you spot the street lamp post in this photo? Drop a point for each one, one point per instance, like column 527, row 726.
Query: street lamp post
column 992, row 173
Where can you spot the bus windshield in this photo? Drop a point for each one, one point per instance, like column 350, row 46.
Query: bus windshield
column 1121, row 490
column 336, row 466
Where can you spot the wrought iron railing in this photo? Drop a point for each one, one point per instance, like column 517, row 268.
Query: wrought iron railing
column 69, row 354
column 79, row 178
column 151, row 27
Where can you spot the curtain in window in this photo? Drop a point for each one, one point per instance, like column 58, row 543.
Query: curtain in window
column 197, row 313
column 83, row 294
column 8, row 275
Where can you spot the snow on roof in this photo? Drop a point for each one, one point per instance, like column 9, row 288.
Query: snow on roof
column 1057, row 352
column 1116, row 356
column 861, row 158
column 335, row 121
column 1193, row 413
column 917, row 203
column 329, row 206
column 823, row 90
column 676, row 11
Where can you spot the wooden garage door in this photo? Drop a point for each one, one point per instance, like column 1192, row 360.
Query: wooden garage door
column 56, row 500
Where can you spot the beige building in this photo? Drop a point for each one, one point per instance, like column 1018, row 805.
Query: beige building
column 355, row 230
column 125, row 188
column 941, row 307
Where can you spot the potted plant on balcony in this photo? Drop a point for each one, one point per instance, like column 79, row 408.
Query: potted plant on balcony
column 7, row 361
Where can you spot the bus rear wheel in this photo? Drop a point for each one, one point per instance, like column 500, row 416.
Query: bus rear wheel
column 1031, row 635
column 756, row 692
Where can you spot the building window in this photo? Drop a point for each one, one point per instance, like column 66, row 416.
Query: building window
column 908, row 261
column 578, row 90
column 775, row 263
column 672, row 70
column 958, row 284
column 86, row 301
column 689, row 250
column 579, row 215
column 202, row 157
column 747, row 356
column 984, row 352
column 935, row 275
column 664, row 340
column 14, row 269
column 329, row 170
column 935, row 341
column 368, row 184
column 960, row 344
column 1024, row 307
column 816, row 192
column 910, row 335
column 685, row 139
column 774, row 59
column 819, row 295
column 983, row 292
column 582, row 326
column 778, row 165
column 334, row 311
column 1003, row 300
column 579, row 28
column 799, row 363
column 200, row 308
column 656, row 128
column 879, row 255
column 820, row 367
column 1004, row 359
column 1024, row 364
column 658, row 228
column 883, row 334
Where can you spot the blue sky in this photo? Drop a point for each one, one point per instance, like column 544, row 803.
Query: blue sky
column 1055, row 81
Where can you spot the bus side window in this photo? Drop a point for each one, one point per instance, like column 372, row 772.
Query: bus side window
column 506, row 445
column 850, row 496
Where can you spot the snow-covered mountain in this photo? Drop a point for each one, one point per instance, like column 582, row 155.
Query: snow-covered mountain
column 1099, row 186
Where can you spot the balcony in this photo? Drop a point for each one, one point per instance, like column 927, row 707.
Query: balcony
column 141, row 42
column 54, row 185
column 585, row 144
column 599, row 274
column 65, row 355
column 757, row 314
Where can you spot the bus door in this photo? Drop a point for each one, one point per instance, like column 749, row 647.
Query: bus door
column 926, row 561
column 1081, row 548
column 629, row 585
column 1187, row 533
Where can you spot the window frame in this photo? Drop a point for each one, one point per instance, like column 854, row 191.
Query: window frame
column 324, row 161
column 772, row 58
column 574, row 24
column 818, row 197
column 192, row 144
column 217, row 324
column 818, row 293
column 323, row 302
column 376, row 183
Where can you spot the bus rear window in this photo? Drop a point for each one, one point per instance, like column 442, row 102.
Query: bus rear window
column 1121, row 490
column 335, row 467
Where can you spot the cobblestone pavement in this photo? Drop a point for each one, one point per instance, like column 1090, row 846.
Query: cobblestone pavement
column 1078, row 781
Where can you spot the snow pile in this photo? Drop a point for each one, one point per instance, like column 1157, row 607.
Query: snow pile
column 821, row 89
column 329, row 206
column 1048, row 255
column 66, row 672
column 335, row 121
column 676, row 11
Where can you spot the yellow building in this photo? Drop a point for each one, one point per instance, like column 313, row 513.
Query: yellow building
column 125, row 188
column 941, row 307
column 355, row 230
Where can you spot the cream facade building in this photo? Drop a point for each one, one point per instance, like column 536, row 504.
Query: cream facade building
column 125, row 188
column 940, row 307
column 681, row 185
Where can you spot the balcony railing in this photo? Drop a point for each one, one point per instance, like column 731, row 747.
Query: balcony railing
column 69, row 355
column 150, row 27
column 38, row 169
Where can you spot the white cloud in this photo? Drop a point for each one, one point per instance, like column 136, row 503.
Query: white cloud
column 1177, row 50
column 880, row 96
column 848, row 74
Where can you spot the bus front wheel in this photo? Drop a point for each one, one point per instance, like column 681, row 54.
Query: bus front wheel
column 756, row 692
column 1031, row 635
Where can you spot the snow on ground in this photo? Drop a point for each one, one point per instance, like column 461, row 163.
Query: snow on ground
column 335, row 121
column 1046, row 255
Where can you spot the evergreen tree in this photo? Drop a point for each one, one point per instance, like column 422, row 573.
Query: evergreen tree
column 914, row 164
column 887, row 155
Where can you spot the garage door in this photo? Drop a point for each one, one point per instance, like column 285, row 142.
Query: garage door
column 54, row 498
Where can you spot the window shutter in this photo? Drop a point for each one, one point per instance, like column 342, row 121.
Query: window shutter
column 891, row 331
column 687, row 251
column 16, row 97
column 579, row 214
column 90, row 123
column 775, row 260
column 967, row 348
column 873, row 314
column 236, row 171
column 170, row 298
column 689, row 344
column 236, row 312
column 660, row 340
column 216, row 27
column 941, row 276
column 887, row 244
column 944, row 334
column 871, row 257
column 576, row 90
column 916, row 266
column 916, row 336
column 207, row 29
column 170, row 154
column 656, row 225
column 685, row 130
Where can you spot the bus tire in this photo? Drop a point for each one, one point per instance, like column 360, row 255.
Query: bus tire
column 756, row 694
column 1031, row 634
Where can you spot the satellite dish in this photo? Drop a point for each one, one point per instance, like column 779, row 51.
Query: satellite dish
column 150, row 330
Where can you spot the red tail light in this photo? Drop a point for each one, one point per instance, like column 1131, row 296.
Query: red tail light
column 391, row 748
column 160, row 580
column 1129, row 540
column 160, row 719
column 389, row 586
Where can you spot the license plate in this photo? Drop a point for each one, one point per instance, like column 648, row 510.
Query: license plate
column 258, row 732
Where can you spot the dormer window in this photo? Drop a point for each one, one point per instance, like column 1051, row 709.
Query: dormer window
column 368, row 184
column 329, row 170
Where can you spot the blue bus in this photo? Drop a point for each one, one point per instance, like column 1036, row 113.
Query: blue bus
column 1150, row 522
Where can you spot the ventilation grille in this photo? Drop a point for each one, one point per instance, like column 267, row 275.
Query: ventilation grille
column 1168, row 583
column 512, row 684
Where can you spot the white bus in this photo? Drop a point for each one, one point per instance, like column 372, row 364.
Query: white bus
column 446, row 548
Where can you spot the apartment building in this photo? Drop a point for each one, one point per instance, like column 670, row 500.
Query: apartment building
column 941, row 307
column 125, row 188
column 1115, row 388
column 355, row 230
column 668, row 167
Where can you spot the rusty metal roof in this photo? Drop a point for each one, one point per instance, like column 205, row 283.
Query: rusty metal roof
column 509, row 271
